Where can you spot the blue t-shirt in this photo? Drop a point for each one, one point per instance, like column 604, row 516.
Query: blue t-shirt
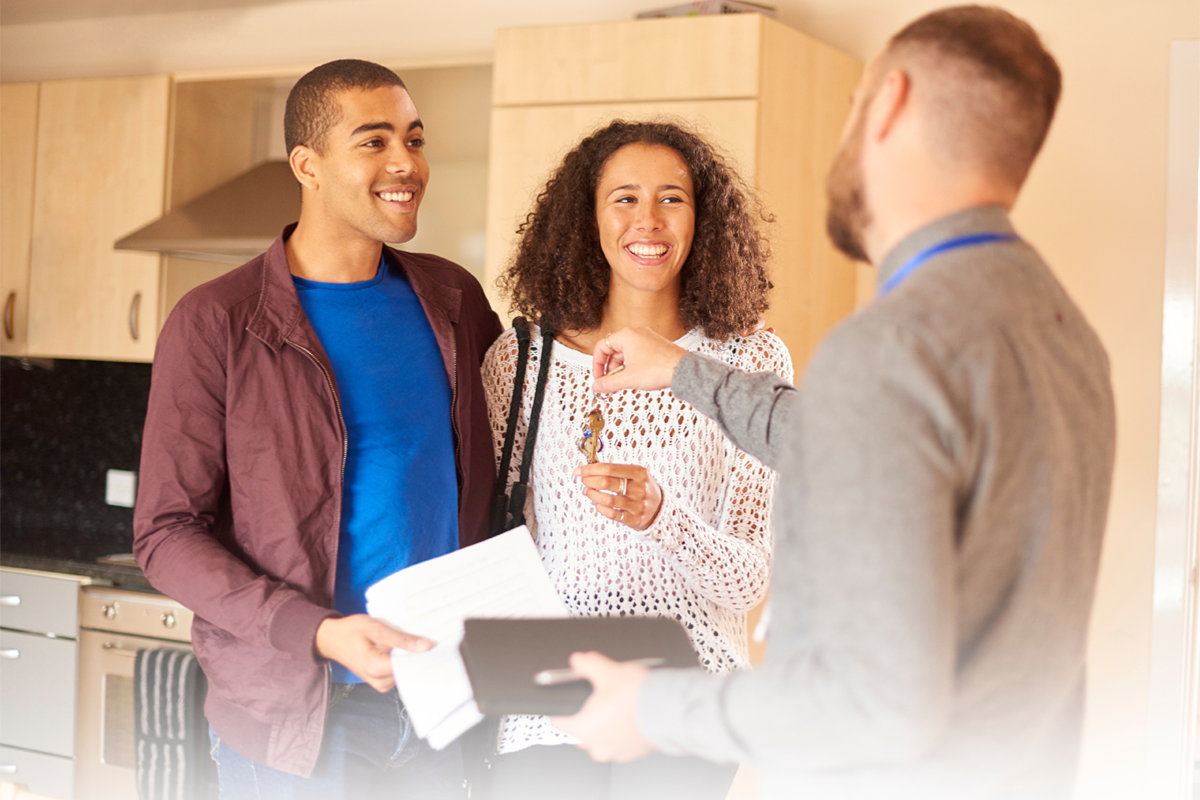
column 400, row 488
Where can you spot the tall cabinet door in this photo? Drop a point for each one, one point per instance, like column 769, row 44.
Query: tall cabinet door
column 101, row 167
column 18, row 148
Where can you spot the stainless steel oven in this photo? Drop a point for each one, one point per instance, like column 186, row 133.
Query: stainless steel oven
column 115, row 624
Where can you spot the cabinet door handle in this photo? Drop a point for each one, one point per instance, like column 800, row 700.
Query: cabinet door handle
column 134, row 307
column 11, row 654
column 10, row 600
column 8, row 769
column 9, row 304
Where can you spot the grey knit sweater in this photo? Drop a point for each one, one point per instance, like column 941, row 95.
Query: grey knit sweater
column 944, row 480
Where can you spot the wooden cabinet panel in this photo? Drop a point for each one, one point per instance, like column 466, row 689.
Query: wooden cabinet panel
column 637, row 60
column 18, row 147
column 805, row 97
column 529, row 142
column 101, row 157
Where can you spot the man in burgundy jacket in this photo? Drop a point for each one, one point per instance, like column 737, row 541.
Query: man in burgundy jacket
column 316, row 421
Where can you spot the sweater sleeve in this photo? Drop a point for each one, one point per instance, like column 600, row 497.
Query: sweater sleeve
column 861, row 658
column 729, row 563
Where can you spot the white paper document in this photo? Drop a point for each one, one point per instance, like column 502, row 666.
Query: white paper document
column 500, row 577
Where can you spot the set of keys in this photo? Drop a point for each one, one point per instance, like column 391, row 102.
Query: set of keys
column 590, row 444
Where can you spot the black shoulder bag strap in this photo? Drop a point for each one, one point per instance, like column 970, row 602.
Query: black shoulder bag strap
column 508, row 508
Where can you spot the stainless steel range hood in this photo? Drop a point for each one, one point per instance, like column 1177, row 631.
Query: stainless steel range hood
column 236, row 220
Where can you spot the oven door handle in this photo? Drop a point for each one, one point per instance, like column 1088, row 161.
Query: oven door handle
column 117, row 650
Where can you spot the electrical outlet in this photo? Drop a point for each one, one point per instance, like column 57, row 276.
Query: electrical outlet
column 120, row 487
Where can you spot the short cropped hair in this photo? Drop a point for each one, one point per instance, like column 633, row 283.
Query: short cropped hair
column 312, row 105
column 992, row 84
column 560, row 278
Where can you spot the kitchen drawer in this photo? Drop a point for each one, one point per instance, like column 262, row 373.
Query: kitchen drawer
column 37, row 692
column 53, row 776
column 39, row 603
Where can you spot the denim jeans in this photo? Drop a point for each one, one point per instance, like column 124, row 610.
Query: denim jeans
column 369, row 752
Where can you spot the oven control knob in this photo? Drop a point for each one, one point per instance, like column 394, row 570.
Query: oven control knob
column 168, row 619
column 109, row 611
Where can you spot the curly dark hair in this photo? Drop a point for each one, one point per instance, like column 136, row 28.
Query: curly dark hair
column 559, row 277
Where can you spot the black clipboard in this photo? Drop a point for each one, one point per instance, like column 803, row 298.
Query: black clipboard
column 502, row 656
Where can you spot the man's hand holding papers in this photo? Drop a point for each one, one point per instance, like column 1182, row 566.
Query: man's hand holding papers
column 500, row 577
column 363, row 645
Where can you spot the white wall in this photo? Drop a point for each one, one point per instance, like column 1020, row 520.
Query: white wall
column 1094, row 206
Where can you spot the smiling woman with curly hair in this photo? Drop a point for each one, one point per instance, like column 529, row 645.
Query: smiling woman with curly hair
column 639, row 504
column 560, row 276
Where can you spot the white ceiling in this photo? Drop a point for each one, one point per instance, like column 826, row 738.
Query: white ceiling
column 48, row 39
column 18, row 12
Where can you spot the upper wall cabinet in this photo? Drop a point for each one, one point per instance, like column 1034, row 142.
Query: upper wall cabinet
column 18, row 147
column 770, row 97
column 99, row 173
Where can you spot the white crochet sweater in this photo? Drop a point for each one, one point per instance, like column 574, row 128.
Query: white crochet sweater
column 704, row 561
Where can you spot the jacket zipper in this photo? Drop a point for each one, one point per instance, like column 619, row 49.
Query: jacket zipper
column 341, row 420
column 337, row 404
column 454, row 407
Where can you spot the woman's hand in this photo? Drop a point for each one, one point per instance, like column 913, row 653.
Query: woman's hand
column 623, row 492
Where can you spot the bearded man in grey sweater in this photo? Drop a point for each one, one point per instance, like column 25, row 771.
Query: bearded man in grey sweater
column 944, row 469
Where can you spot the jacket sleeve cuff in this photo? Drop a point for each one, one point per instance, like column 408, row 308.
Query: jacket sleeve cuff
column 294, row 626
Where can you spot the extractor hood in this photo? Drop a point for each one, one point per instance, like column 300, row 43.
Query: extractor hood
column 236, row 220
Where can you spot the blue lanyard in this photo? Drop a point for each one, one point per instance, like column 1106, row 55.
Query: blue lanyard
column 942, row 247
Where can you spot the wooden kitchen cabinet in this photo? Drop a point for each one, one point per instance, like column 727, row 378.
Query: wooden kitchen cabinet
column 772, row 98
column 18, row 149
column 100, row 172
column 86, row 162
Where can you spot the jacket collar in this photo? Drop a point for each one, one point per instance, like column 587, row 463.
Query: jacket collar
column 279, row 311
column 434, row 294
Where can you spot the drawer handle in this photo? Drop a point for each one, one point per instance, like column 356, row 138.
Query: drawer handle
column 8, row 769
column 109, row 611
column 8, row 315
column 10, row 600
column 11, row 654
column 134, row 307
column 168, row 619
column 117, row 650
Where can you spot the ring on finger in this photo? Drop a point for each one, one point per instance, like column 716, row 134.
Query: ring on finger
column 624, row 486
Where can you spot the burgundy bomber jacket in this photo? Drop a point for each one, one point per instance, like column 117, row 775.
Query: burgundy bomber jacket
column 240, row 492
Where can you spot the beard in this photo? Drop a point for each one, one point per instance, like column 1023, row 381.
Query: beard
column 847, row 217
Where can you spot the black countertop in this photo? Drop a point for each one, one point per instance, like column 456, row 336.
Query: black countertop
column 126, row 577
